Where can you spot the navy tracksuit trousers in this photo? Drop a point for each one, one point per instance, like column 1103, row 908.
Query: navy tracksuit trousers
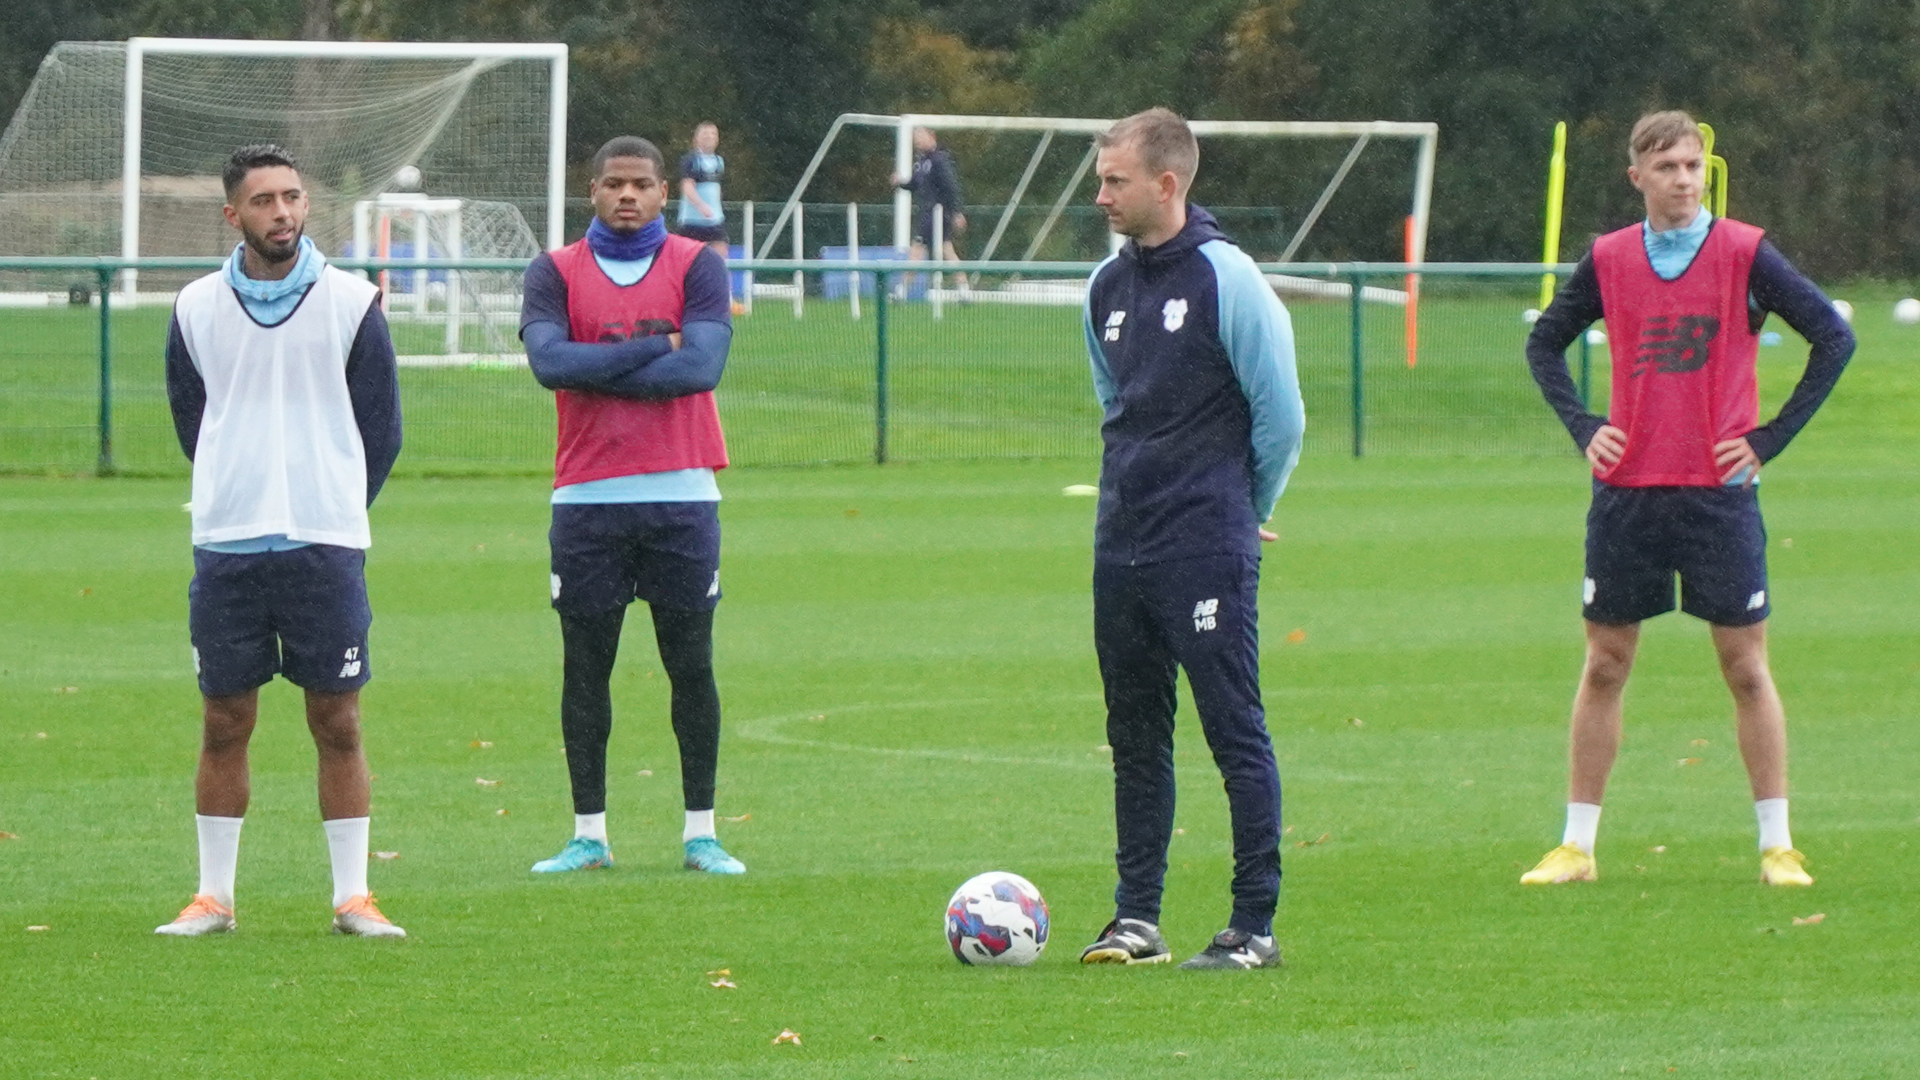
column 1199, row 615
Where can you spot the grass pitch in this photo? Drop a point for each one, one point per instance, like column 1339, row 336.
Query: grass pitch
column 906, row 665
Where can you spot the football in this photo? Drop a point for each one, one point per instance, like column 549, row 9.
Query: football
column 997, row 918
column 1907, row 311
column 406, row 178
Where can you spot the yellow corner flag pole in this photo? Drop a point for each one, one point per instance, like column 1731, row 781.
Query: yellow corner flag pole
column 1556, row 188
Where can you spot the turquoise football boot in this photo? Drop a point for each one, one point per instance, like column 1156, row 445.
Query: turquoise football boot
column 705, row 854
column 579, row 854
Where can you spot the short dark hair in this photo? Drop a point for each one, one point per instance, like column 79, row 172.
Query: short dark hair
column 1163, row 139
column 250, row 157
column 629, row 146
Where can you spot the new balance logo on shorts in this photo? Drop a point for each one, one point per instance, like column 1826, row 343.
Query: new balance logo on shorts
column 712, row 590
column 1757, row 600
column 352, row 667
column 554, row 579
column 1205, row 615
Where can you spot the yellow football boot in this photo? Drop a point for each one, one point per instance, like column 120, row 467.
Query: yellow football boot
column 1784, row 866
column 1563, row 864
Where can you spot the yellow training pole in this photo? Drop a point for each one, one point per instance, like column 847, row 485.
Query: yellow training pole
column 1556, row 189
column 1715, row 196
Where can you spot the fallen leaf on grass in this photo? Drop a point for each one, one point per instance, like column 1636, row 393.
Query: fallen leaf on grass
column 484, row 782
column 1686, row 761
column 1179, row 832
column 8, row 836
column 787, row 1036
column 37, row 929
column 1080, row 489
column 876, row 1038
column 1814, row 919
column 1354, row 721
column 723, row 984
column 502, row 812
column 86, row 592
column 1700, row 742
column 1658, row 849
column 644, row 772
column 1296, row 637
column 1321, row 839
column 719, row 973
column 742, row 817
column 479, row 744
column 386, row 854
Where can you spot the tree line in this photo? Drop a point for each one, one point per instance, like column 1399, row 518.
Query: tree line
column 1816, row 102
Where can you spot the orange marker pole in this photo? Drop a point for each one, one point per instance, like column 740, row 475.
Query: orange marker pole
column 386, row 249
column 1413, row 303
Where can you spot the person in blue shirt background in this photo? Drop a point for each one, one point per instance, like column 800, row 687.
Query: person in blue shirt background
column 702, row 216
column 1193, row 363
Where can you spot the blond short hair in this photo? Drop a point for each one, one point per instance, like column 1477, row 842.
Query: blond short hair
column 1162, row 138
column 1658, row 131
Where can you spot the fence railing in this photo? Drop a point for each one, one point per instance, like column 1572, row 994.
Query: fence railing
column 833, row 360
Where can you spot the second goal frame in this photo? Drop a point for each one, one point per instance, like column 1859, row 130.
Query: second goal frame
column 1426, row 134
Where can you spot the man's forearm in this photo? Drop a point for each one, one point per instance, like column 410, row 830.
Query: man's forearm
column 695, row 367
column 562, row 364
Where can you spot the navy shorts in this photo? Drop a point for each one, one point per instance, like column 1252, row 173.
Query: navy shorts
column 301, row 613
column 706, row 234
column 1638, row 539
column 607, row 555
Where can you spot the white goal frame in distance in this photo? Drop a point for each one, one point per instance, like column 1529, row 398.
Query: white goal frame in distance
column 138, row 48
column 1361, row 131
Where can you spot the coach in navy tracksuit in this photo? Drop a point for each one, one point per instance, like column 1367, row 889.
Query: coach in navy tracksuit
column 1193, row 362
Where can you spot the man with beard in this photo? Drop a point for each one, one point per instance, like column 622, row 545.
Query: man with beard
column 282, row 381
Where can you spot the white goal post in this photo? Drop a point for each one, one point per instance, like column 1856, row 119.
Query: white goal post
column 1361, row 132
column 479, row 58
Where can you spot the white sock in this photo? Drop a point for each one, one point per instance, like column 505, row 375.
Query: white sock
column 1773, row 824
column 699, row 824
column 590, row 826
column 219, row 856
column 347, row 847
column 1583, row 824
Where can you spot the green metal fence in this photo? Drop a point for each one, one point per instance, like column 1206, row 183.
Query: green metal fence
column 905, row 365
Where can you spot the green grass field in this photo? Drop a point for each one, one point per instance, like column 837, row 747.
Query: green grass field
column 906, row 664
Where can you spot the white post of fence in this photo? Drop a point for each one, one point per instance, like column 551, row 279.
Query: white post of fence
column 420, row 252
column 746, row 279
column 853, row 255
column 799, row 253
column 456, row 250
column 937, row 252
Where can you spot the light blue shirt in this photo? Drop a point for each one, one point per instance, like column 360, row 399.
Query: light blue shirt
column 679, row 485
column 1671, row 252
column 624, row 273
column 272, row 302
column 258, row 545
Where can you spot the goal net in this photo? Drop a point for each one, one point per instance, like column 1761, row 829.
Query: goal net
column 117, row 147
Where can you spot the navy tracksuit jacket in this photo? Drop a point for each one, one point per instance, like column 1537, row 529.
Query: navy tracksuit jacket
column 1193, row 363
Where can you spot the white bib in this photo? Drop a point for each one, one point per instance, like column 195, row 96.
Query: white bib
column 279, row 451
